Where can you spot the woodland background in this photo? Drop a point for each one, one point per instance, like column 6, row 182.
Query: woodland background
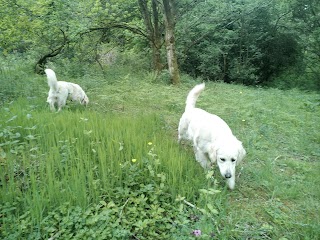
column 267, row 43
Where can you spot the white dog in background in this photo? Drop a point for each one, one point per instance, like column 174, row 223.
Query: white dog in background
column 60, row 91
column 212, row 138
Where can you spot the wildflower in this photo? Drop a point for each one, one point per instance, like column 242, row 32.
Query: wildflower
column 196, row 232
column 243, row 120
column 134, row 160
column 149, row 143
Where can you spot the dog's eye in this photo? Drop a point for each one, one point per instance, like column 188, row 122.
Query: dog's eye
column 233, row 160
column 222, row 159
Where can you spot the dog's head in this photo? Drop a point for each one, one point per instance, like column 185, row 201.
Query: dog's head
column 85, row 101
column 228, row 153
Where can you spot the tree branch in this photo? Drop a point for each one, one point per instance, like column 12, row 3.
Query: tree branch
column 118, row 25
column 40, row 65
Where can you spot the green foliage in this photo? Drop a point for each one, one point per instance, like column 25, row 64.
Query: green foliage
column 92, row 176
column 306, row 22
column 17, row 79
column 235, row 42
column 140, row 208
column 247, row 42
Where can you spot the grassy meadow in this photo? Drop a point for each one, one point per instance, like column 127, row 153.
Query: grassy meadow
column 114, row 170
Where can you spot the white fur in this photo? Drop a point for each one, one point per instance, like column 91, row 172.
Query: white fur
column 212, row 138
column 60, row 91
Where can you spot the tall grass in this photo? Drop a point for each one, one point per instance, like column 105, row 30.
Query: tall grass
column 52, row 160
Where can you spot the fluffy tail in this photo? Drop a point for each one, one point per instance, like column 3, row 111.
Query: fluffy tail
column 52, row 79
column 193, row 96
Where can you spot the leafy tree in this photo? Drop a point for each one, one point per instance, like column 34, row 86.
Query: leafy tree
column 18, row 26
column 243, row 41
column 235, row 41
column 306, row 22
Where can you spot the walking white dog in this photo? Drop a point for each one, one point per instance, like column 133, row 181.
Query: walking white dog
column 212, row 138
column 60, row 91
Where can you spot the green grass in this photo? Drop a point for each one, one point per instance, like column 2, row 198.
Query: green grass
column 64, row 175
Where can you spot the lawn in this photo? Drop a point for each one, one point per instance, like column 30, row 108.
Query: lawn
column 114, row 170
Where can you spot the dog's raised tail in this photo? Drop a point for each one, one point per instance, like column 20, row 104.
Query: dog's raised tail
column 193, row 96
column 52, row 79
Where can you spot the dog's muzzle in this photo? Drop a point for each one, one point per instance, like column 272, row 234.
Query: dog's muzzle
column 227, row 175
column 84, row 101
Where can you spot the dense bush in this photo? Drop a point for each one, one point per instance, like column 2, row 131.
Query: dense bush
column 243, row 48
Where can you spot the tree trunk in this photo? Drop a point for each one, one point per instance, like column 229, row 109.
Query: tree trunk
column 170, row 41
column 157, row 37
column 156, row 56
column 151, row 21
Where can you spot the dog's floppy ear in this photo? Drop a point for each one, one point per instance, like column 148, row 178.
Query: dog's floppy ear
column 241, row 153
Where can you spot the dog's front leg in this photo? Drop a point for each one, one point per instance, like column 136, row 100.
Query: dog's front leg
column 52, row 108
column 201, row 158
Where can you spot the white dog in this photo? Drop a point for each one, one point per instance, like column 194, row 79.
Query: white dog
column 212, row 138
column 60, row 91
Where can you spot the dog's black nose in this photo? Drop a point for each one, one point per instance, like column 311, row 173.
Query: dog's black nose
column 227, row 175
